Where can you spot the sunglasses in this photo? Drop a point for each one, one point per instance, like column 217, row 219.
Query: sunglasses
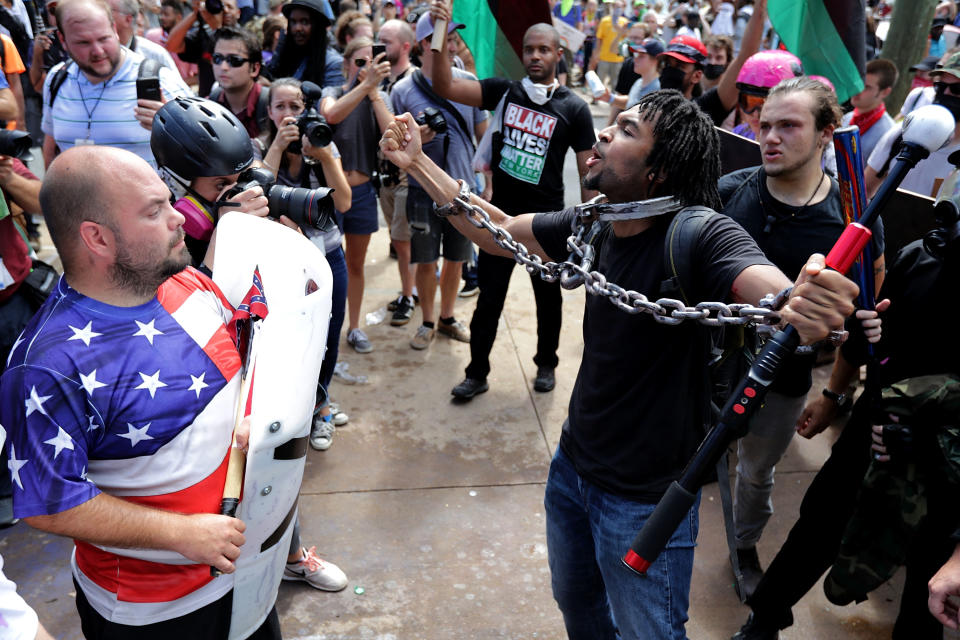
column 233, row 59
column 750, row 103
column 360, row 62
column 943, row 87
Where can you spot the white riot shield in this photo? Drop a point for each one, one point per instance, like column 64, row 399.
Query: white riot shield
column 290, row 344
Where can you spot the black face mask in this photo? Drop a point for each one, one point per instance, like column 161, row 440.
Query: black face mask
column 952, row 103
column 714, row 71
column 672, row 78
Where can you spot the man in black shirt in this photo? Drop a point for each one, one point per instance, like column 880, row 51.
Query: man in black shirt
column 193, row 37
column 536, row 121
column 792, row 209
column 923, row 275
column 639, row 406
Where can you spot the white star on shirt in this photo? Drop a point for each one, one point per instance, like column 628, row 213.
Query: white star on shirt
column 83, row 474
column 60, row 442
column 15, row 465
column 35, row 402
column 151, row 383
column 198, row 383
column 147, row 330
column 92, row 423
column 135, row 435
column 90, row 382
column 85, row 334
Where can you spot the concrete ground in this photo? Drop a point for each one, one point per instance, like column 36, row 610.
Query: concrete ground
column 434, row 509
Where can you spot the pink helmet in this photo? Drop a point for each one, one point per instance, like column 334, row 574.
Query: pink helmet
column 762, row 71
column 825, row 81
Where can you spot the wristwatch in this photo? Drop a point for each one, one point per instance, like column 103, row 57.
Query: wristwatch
column 833, row 395
column 454, row 206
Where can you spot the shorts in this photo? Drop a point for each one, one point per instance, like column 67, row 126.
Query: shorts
column 362, row 217
column 429, row 231
column 393, row 203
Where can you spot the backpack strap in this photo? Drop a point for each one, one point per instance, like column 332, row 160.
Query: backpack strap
column 260, row 110
column 678, row 251
column 57, row 81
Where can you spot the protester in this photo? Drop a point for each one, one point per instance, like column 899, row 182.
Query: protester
column 627, row 75
column 870, row 112
column 192, row 38
column 760, row 73
column 47, row 50
column 121, row 246
column 791, row 208
column 171, row 12
column 453, row 149
column 606, row 58
column 358, row 111
column 607, row 463
column 924, row 273
column 97, row 96
column 312, row 167
column 305, row 53
column 719, row 57
column 527, row 164
column 645, row 66
column 237, row 61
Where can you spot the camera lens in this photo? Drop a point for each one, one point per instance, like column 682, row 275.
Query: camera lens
column 319, row 133
column 311, row 207
column 213, row 6
column 14, row 143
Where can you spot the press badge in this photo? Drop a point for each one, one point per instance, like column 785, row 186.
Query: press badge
column 82, row 141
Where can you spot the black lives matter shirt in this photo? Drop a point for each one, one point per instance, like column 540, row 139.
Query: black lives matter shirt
column 788, row 236
column 639, row 405
column 528, row 153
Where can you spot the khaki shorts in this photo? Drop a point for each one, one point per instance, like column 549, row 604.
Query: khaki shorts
column 393, row 202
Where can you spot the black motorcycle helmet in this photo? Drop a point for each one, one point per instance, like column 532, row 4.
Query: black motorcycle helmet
column 193, row 138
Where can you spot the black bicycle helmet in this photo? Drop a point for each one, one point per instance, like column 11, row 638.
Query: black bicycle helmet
column 193, row 138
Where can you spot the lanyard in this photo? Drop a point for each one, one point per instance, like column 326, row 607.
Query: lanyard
column 83, row 101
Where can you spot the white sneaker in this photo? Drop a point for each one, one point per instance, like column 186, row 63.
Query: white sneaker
column 321, row 434
column 316, row 572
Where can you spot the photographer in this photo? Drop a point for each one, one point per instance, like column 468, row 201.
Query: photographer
column 358, row 113
column 450, row 127
column 192, row 38
column 311, row 167
column 177, row 143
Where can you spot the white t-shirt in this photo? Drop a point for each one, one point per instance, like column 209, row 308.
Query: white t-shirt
column 922, row 179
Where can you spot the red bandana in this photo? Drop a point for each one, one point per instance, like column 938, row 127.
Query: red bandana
column 867, row 120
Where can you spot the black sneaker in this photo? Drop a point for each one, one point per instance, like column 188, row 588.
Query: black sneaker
column 402, row 312
column 469, row 388
column 750, row 569
column 544, row 381
column 754, row 630
column 469, row 290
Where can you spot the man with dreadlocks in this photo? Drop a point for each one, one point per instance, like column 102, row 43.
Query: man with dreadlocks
column 631, row 425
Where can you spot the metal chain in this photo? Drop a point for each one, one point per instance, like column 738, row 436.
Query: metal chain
column 571, row 275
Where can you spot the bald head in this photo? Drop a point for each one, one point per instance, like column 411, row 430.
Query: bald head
column 400, row 30
column 72, row 11
column 542, row 28
column 84, row 183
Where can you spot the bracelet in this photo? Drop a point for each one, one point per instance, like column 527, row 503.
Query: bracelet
column 833, row 395
column 451, row 207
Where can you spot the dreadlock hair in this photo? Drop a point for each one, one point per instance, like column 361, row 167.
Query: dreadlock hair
column 288, row 58
column 686, row 148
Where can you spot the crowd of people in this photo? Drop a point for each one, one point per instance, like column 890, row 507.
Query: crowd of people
column 148, row 114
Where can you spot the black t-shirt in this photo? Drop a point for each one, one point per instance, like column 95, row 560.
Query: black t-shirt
column 633, row 422
column 910, row 345
column 794, row 235
column 626, row 77
column 710, row 103
column 528, row 153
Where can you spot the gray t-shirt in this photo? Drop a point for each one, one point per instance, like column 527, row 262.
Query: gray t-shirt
column 638, row 90
column 406, row 96
column 358, row 134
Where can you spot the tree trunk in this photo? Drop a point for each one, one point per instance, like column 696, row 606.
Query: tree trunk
column 905, row 44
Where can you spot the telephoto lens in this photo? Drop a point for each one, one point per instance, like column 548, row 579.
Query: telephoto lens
column 14, row 143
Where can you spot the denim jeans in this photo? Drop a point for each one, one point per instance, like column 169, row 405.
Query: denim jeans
column 588, row 532
column 338, row 268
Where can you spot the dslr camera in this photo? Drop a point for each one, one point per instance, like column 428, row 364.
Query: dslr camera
column 14, row 143
column 310, row 123
column 306, row 207
column 433, row 118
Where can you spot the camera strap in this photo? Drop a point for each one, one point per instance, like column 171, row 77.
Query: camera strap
column 425, row 87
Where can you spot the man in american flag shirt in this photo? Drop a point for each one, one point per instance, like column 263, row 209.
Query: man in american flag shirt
column 119, row 401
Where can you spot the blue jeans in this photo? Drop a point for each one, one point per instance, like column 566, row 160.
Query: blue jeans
column 338, row 266
column 588, row 531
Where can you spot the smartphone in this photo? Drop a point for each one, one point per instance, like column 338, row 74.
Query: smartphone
column 378, row 49
column 149, row 89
